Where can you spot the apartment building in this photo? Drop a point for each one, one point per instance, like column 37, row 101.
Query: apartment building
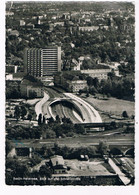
column 51, row 60
column 77, row 85
column 32, row 62
column 97, row 73
column 42, row 62
column 69, row 81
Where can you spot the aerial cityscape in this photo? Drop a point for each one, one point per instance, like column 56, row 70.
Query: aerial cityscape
column 70, row 93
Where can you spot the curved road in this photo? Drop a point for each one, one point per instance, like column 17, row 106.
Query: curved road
column 47, row 110
column 95, row 117
column 38, row 106
column 62, row 111
column 84, row 112
column 69, row 114
column 88, row 112
column 59, row 110
column 52, row 93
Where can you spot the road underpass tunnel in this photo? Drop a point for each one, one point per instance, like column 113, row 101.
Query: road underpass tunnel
column 64, row 108
column 130, row 152
column 116, row 151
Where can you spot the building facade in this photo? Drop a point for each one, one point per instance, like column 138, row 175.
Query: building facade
column 51, row 60
column 97, row 73
column 37, row 91
column 76, row 86
column 22, row 23
column 73, row 85
column 58, row 164
column 42, row 62
column 88, row 28
column 32, row 62
column 28, row 90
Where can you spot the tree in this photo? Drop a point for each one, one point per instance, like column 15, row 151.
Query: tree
column 66, row 120
column 57, row 119
column 88, row 64
column 83, row 150
column 50, row 120
column 58, row 130
column 17, row 112
column 8, row 146
column 128, row 87
column 43, row 120
column 29, row 117
column 80, row 92
column 50, row 134
column 12, row 92
column 92, row 90
column 106, row 87
column 18, row 169
column 40, row 119
column 87, row 94
column 111, row 74
column 49, row 152
column 96, row 82
column 115, row 151
column 124, row 114
column 21, row 170
column 89, row 81
column 45, row 171
column 23, row 112
column 79, row 129
column 103, row 147
column 32, row 94
column 113, row 124
column 56, row 148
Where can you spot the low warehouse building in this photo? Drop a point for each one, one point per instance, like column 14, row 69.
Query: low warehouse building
column 58, row 164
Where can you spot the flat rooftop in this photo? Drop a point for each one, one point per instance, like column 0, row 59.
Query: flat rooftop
column 93, row 167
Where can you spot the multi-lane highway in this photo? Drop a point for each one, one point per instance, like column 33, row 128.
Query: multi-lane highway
column 57, row 109
column 90, row 111
column 86, row 113
column 52, row 93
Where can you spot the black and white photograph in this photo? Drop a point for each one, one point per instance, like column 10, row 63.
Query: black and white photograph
column 70, row 93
